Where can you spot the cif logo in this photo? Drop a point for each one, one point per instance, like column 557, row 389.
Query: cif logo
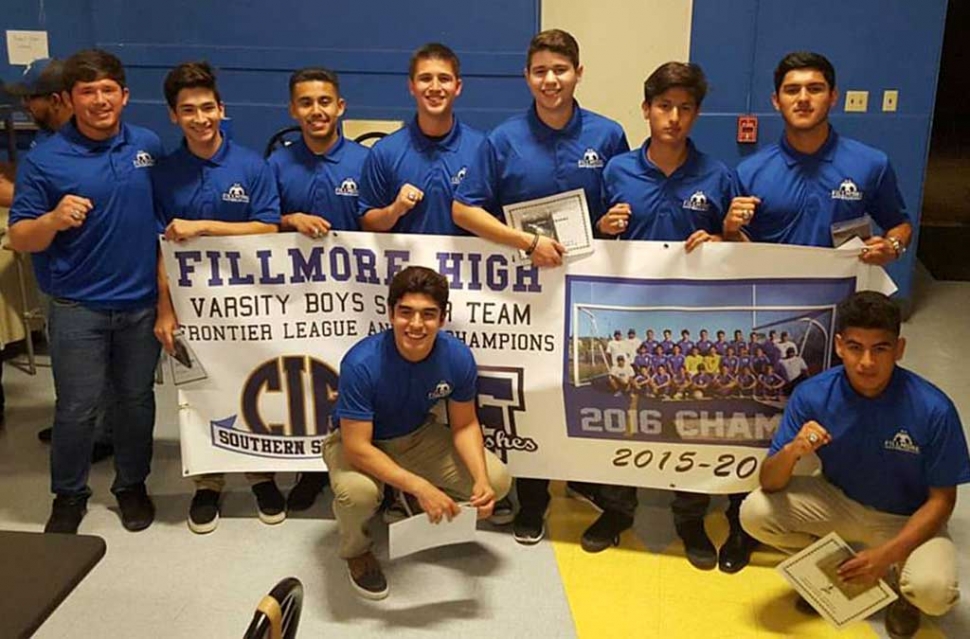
column 500, row 399
column 290, row 395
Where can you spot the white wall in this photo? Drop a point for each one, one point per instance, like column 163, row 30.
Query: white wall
column 620, row 43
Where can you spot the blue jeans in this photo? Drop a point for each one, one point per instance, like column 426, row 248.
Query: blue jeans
column 89, row 350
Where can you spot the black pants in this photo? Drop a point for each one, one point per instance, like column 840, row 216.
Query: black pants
column 693, row 506
column 534, row 495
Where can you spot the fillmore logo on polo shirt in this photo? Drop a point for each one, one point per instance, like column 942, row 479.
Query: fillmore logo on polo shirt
column 441, row 390
column 847, row 191
column 697, row 202
column 458, row 177
column 901, row 442
column 347, row 188
column 591, row 160
column 143, row 159
column 236, row 193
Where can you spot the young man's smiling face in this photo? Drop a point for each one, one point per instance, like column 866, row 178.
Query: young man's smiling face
column 434, row 87
column 552, row 80
column 869, row 356
column 198, row 113
column 416, row 320
column 317, row 107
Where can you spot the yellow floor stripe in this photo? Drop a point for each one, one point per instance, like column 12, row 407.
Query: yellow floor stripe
column 629, row 591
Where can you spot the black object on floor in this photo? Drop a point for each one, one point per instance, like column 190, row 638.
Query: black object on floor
column 943, row 250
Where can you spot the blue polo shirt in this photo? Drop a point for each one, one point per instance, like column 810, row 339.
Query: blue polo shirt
column 803, row 195
column 524, row 159
column 886, row 452
column 436, row 166
column 326, row 185
column 108, row 263
column 234, row 185
column 694, row 197
column 379, row 386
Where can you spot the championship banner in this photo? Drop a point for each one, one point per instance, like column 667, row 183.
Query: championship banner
column 265, row 320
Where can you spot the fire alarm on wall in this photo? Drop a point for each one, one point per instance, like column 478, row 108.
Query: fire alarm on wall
column 747, row 129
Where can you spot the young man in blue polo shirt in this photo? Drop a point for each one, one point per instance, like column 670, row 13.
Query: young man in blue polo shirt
column 319, row 183
column 389, row 434
column 84, row 198
column 814, row 187
column 210, row 186
column 318, row 175
column 893, row 452
column 410, row 178
column 553, row 147
column 667, row 190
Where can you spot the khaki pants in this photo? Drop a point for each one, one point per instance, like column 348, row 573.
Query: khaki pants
column 810, row 508
column 217, row 481
column 427, row 452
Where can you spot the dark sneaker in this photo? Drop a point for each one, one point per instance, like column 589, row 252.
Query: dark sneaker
column 902, row 619
column 366, row 577
column 101, row 451
column 583, row 492
column 736, row 551
column 605, row 531
column 45, row 435
column 269, row 502
column 204, row 511
column 137, row 509
column 529, row 526
column 701, row 553
column 66, row 514
column 503, row 513
column 305, row 492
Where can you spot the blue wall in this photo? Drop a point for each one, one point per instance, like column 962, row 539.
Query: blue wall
column 874, row 45
column 256, row 46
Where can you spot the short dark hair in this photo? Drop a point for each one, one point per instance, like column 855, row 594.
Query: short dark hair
column 434, row 51
column 557, row 41
column 421, row 280
column 804, row 60
column 867, row 309
column 686, row 75
column 190, row 75
column 314, row 74
column 90, row 65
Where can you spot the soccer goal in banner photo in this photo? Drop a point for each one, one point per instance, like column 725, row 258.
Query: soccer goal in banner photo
column 599, row 332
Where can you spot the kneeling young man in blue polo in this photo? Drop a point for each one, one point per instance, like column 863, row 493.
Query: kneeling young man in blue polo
column 389, row 383
column 210, row 186
column 893, row 452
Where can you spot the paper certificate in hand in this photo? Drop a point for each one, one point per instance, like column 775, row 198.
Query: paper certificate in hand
column 813, row 573
column 564, row 217
column 417, row 533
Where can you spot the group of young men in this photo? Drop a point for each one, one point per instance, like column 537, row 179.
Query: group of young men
column 88, row 202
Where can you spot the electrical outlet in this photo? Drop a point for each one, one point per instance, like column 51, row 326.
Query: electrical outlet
column 856, row 101
column 890, row 100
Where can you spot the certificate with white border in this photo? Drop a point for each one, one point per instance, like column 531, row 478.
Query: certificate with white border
column 812, row 573
column 563, row 217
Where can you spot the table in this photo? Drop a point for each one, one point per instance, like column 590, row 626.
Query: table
column 37, row 572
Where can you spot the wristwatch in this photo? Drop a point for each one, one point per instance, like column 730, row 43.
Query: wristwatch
column 898, row 247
